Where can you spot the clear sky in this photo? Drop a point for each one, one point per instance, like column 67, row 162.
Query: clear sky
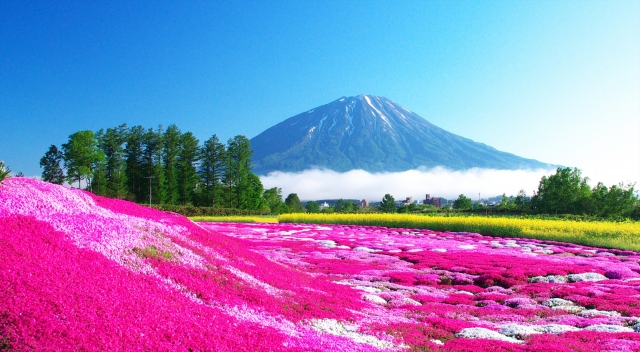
column 557, row 81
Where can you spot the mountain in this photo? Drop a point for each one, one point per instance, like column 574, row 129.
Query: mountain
column 374, row 134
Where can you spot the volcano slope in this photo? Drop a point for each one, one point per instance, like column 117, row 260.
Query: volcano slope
column 81, row 272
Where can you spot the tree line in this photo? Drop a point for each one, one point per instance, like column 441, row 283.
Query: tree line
column 567, row 192
column 163, row 166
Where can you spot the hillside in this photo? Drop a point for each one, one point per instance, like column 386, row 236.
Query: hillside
column 82, row 272
column 374, row 134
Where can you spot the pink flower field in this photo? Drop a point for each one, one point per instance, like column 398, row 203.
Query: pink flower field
column 81, row 272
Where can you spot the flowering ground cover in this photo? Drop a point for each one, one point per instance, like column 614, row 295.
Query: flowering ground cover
column 467, row 292
column 81, row 272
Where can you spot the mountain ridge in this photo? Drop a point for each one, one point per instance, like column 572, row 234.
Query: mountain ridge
column 374, row 134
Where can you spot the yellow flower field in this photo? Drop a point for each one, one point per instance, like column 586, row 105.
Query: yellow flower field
column 623, row 235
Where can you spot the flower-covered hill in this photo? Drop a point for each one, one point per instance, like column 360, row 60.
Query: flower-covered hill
column 81, row 272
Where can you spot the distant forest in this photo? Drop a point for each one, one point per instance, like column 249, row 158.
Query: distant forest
column 164, row 165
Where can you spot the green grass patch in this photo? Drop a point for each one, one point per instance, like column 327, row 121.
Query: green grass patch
column 153, row 252
column 265, row 218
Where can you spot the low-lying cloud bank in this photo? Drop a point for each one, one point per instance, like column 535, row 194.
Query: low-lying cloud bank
column 438, row 182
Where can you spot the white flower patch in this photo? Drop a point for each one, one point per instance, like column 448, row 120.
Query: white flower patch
column 338, row 328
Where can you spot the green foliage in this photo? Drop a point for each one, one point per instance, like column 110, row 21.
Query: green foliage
column 293, row 202
column 168, row 166
column 254, row 193
column 522, row 201
column 616, row 201
column 237, row 170
column 273, row 199
column 188, row 156
column 50, row 162
column 343, row 206
column 152, row 165
column 171, row 149
column 313, row 207
column 565, row 192
column 507, row 203
column 134, row 159
column 462, row 202
column 4, row 171
column 190, row 210
column 212, row 163
column 388, row 204
column 81, row 156
column 112, row 143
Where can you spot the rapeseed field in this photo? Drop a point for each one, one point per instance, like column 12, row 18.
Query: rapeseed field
column 621, row 235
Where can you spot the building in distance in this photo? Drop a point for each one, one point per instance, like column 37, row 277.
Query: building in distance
column 436, row 202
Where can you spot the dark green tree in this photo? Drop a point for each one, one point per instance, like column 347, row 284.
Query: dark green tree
column 507, row 203
column 152, row 167
column 388, row 204
column 313, row 207
column 522, row 201
column 294, row 204
column 112, row 143
column 171, row 149
column 340, row 206
column 565, row 192
column 81, row 154
column 462, row 202
column 188, row 156
column 343, row 206
column 211, row 171
column 50, row 162
column 133, row 159
column 237, row 170
column 272, row 197
column 255, row 191
column 99, row 181
column 616, row 201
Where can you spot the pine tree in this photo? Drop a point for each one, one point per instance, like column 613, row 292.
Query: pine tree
column 238, row 169
column 171, row 148
column 50, row 162
column 188, row 156
column 211, row 171
column 152, row 166
column 133, row 159
column 293, row 202
column 388, row 204
column 112, row 143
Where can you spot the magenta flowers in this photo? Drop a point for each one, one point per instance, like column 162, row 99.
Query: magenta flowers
column 82, row 272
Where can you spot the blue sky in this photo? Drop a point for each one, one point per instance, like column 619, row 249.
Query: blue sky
column 557, row 81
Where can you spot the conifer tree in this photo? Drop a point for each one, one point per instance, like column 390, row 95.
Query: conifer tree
column 133, row 159
column 152, row 166
column 171, row 149
column 112, row 143
column 188, row 156
column 50, row 162
column 211, row 170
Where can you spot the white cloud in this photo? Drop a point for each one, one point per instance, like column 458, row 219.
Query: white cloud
column 438, row 182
